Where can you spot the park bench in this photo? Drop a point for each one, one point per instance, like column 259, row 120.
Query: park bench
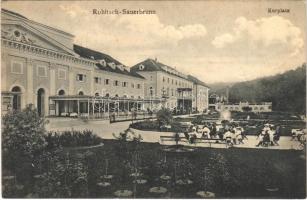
column 197, row 140
column 172, row 138
column 165, row 127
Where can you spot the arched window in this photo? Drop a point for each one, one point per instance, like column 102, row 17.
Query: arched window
column 96, row 94
column 61, row 92
column 16, row 98
column 107, row 95
column 151, row 91
column 81, row 93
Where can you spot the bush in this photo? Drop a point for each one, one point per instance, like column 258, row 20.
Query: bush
column 23, row 140
column 72, row 139
column 146, row 125
column 164, row 117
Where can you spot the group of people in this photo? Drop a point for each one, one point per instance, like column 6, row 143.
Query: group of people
column 233, row 134
column 269, row 136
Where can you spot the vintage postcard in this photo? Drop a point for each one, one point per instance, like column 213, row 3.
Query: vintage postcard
column 153, row 99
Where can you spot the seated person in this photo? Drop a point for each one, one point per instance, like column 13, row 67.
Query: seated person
column 238, row 135
column 206, row 132
column 192, row 139
column 260, row 136
column 233, row 136
column 228, row 137
column 276, row 138
column 187, row 136
column 266, row 138
column 271, row 135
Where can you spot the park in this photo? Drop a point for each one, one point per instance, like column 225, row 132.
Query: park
column 70, row 158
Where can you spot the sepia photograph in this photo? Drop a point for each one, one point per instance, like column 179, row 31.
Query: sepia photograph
column 177, row 99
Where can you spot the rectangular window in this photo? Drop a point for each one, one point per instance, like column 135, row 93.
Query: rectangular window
column 81, row 77
column 116, row 83
column 124, row 84
column 107, row 81
column 41, row 71
column 138, row 86
column 62, row 74
column 97, row 80
column 16, row 67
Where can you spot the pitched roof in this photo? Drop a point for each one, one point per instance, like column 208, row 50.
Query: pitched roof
column 197, row 81
column 95, row 55
column 153, row 65
column 13, row 13
column 149, row 65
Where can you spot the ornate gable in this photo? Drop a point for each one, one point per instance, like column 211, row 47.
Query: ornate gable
column 30, row 32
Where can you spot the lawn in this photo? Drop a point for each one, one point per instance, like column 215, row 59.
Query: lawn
column 230, row 173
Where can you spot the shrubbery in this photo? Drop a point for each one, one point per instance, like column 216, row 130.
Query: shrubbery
column 22, row 141
column 146, row 125
column 72, row 138
column 164, row 117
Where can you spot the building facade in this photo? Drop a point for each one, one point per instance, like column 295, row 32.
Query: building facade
column 200, row 101
column 245, row 106
column 40, row 65
column 181, row 92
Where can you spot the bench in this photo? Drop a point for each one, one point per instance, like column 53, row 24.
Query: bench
column 197, row 140
column 165, row 127
column 172, row 138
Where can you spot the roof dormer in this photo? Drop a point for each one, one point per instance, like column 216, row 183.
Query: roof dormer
column 103, row 62
column 112, row 65
column 141, row 67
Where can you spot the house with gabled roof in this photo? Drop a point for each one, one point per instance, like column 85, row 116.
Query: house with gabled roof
column 163, row 81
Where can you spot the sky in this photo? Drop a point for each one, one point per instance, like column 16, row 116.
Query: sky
column 216, row 41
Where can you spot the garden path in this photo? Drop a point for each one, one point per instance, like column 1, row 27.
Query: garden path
column 105, row 130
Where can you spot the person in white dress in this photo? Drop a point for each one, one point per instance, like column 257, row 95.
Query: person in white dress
column 260, row 137
column 206, row 132
column 228, row 137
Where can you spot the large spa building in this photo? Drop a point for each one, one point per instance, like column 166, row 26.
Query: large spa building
column 42, row 66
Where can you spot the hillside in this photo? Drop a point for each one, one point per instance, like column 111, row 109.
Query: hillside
column 286, row 91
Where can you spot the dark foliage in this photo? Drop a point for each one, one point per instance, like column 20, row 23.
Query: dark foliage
column 229, row 173
column 146, row 125
column 164, row 117
column 72, row 138
column 22, row 142
column 286, row 91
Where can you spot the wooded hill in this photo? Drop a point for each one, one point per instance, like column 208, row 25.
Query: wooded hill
column 286, row 91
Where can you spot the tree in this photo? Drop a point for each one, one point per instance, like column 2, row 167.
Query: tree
column 22, row 140
column 164, row 117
